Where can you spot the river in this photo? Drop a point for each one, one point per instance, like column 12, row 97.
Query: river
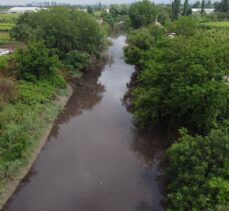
column 95, row 158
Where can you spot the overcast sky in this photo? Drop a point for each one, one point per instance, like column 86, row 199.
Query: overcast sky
column 66, row 1
column 4, row 2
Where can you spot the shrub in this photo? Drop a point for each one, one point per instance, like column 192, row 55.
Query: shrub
column 35, row 62
column 33, row 93
column 3, row 61
column 78, row 60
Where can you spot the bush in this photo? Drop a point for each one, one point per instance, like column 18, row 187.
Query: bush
column 185, row 26
column 3, row 61
column 78, row 60
column 34, row 93
column 35, row 62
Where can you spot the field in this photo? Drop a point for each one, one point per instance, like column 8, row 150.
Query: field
column 6, row 26
column 7, row 21
column 217, row 24
column 8, row 18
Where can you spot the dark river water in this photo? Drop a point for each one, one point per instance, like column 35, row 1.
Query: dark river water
column 95, row 158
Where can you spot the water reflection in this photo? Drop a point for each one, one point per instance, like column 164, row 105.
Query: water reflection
column 118, row 30
column 88, row 93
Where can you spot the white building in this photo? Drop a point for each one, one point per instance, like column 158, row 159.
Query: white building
column 4, row 51
column 198, row 10
column 24, row 9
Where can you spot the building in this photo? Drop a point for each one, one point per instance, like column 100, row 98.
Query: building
column 198, row 10
column 23, row 9
column 4, row 51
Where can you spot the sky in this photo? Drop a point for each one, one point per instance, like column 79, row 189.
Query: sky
column 5, row 2
column 11, row 2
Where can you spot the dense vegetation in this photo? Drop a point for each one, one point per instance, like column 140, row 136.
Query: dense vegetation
column 61, row 30
column 142, row 14
column 58, row 44
column 182, row 82
column 116, row 14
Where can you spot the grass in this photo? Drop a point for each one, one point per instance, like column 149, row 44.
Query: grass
column 216, row 24
column 22, row 123
column 4, row 38
column 8, row 18
column 6, row 26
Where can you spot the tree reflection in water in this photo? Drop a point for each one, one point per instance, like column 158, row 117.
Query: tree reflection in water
column 87, row 93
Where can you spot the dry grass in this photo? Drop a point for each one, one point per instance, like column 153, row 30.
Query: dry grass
column 7, row 90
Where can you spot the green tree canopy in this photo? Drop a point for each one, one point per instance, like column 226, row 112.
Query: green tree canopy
column 199, row 171
column 186, row 7
column 35, row 62
column 61, row 28
column 182, row 80
column 142, row 13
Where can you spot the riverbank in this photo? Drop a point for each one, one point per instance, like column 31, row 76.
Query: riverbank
column 9, row 185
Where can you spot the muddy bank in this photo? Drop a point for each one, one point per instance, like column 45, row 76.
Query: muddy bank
column 10, row 186
column 95, row 158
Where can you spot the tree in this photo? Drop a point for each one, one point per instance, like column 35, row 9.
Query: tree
column 208, row 4
column 197, row 4
column 90, row 10
column 62, row 29
column 176, row 9
column 184, row 26
column 35, row 62
column 186, row 7
column 177, row 84
column 202, row 7
column 199, row 171
column 224, row 6
column 142, row 13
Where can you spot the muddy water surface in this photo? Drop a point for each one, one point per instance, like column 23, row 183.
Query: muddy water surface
column 95, row 159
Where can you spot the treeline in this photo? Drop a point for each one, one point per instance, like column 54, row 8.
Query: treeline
column 182, row 83
column 57, row 44
column 115, row 14
column 74, row 36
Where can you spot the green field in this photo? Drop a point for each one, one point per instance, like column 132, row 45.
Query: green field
column 8, row 18
column 217, row 24
column 6, row 26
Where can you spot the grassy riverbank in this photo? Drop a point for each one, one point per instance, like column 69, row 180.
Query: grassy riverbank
column 25, row 126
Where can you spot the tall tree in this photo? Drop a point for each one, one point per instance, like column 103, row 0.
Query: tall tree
column 202, row 7
column 176, row 9
column 224, row 7
column 208, row 4
column 142, row 13
column 185, row 10
column 197, row 4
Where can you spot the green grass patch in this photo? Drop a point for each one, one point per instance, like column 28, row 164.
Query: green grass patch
column 6, row 26
column 22, row 123
column 9, row 18
column 217, row 24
